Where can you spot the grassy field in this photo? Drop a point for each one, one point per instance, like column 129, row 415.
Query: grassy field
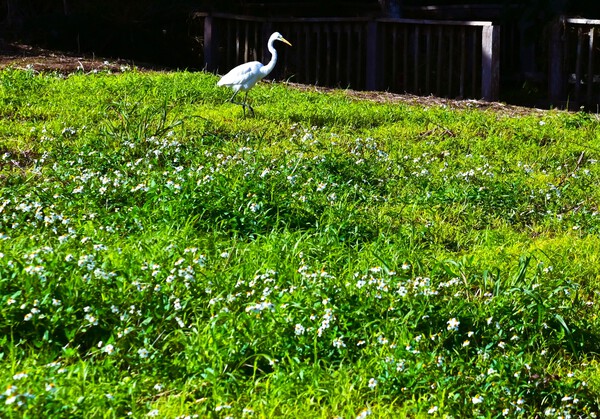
column 162, row 256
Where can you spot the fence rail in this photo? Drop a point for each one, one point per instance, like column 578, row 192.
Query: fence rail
column 444, row 58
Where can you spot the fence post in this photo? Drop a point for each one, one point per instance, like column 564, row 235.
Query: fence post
column 209, row 44
column 374, row 61
column 556, row 80
column 490, row 62
column 590, row 71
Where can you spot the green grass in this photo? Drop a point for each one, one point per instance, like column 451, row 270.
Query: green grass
column 161, row 255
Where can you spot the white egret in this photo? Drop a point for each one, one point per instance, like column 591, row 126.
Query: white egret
column 243, row 77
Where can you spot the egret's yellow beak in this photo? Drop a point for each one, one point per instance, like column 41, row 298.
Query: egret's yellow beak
column 282, row 39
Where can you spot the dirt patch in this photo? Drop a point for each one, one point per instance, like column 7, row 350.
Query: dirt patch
column 42, row 60
column 39, row 59
column 425, row 101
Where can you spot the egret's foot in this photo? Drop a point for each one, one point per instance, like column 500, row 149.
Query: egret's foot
column 244, row 106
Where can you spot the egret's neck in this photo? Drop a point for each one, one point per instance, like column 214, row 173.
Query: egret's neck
column 265, row 70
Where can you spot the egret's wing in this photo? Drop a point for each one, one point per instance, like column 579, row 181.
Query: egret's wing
column 241, row 74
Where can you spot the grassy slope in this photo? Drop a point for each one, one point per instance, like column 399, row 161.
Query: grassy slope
column 160, row 254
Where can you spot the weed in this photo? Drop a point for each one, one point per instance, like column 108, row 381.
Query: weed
column 162, row 256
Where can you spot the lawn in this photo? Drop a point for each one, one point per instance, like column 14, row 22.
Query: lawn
column 163, row 256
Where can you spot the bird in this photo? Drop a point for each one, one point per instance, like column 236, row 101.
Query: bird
column 243, row 77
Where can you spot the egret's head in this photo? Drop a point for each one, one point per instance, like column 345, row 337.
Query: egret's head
column 278, row 37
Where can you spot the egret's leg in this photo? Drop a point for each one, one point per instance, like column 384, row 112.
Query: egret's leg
column 242, row 104
column 246, row 104
column 233, row 97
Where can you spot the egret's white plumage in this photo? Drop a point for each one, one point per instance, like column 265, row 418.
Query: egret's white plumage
column 243, row 77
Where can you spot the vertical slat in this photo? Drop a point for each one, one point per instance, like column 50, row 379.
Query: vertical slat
column 246, row 45
column 231, row 40
column 490, row 62
column 338, row 34
column 428, row 59
column 328, row 54
column 405, row 52
column 237, row 41
column 578, row 65
column 317, row 33
column 359, row 57
column 463, row 58
column 373, row 57
column 395, row 53
column 300, row 62
column 416, row 59
column 474, row 62
column 590, row 75
column 307, row 50
column 383, row 61
column 556, row 79
column 258, row 43
column 450, row 62
column 321, row 70
column 209, row 44
column 349, row 65
column 439, row 71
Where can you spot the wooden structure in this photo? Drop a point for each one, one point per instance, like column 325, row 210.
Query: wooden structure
column 457, row 59
column 574, row 69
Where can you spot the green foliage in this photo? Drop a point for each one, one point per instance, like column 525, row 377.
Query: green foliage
column 161, row 255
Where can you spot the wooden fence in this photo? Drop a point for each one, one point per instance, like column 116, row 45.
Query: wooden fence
column 444, row 58
column 574, row 74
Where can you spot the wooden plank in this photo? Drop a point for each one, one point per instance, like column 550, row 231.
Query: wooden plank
column 428, row 59
column 439, row 70
column 359, row 57
column 338, row 71
column 300, row 62
column 209, row 44
column 372, row 65
column 323, row 20
column 246, row 27
column 405, row 53
column 590, row 71
column 416, row 35
column 474, row 64
column 436, row 22
column 579, row 21
column 237, row 42
column 450, row 63
column 556, row 75
column 384, row 55
column 463, row 63
column 490, row 62
column 307, row 48
column 395, row 53
column 318, row 75
column 258, row 44
column 328, row 20
column 349, row 65
column 578, row 65
column 328, row 55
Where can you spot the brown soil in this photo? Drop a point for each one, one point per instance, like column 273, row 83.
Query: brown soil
column 38, row 59
column 425, row 101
